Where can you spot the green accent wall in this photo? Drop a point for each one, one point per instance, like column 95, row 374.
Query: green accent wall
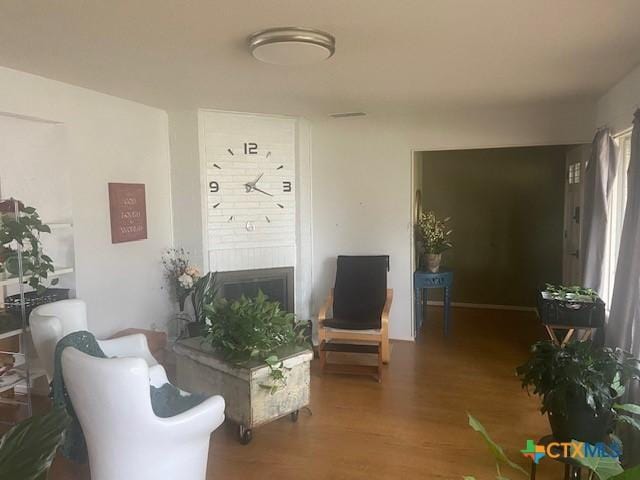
column 507, row 209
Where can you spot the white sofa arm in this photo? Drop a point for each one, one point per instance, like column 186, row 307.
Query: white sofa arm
column 129, row 346
column 202, row 419
column 157, row 376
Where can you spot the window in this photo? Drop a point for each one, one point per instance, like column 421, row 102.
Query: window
column 617, row 206
column 574, row 173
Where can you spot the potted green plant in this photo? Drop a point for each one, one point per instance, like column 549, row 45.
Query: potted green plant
column 433, row 238
column 579, row 385
column 28, row 449
column 250, row 328
column 255, row 355
column 203, row 293
column 604, row 468
column 20, row 231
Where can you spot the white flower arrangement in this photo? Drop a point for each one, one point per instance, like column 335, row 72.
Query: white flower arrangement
column 433, row 233
column 180, row 273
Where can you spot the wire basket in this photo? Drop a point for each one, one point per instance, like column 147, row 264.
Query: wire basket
column 33, row 300
column 560, row 312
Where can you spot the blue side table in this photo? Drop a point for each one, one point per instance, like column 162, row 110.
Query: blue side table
column 425, row 279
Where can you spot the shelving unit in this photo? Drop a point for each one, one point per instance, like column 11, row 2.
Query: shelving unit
column 17, row 378
column 7, row 280
column 15, row 325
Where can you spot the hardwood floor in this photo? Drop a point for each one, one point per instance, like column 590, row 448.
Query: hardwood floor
column 412, row 426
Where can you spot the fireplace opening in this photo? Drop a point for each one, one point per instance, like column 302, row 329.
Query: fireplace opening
column 275, row 283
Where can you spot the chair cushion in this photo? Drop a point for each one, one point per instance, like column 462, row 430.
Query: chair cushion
column 360, row 291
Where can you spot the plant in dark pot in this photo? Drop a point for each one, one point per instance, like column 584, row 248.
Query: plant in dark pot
column 579, row 384
column 204, row 292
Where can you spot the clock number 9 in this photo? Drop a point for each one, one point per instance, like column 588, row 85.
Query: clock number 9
column 214, row 187
column 286, row 186
column 250, row 148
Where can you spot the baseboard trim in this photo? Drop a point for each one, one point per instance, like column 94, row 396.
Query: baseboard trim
column 483, row 306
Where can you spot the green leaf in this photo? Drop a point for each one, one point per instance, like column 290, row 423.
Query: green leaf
column 630, row 474
column 630, row 421
column 628, row 407
column 27, row 450
column 272, row 361
column 604, row 467
column 494, row 448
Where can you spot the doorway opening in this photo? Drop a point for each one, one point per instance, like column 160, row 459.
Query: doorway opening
column 515, row 216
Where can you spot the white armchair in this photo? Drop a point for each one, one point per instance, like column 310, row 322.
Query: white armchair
column 52, row 321
column 125, row 439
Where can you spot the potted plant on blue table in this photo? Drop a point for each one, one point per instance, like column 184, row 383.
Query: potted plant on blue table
column 433, row 238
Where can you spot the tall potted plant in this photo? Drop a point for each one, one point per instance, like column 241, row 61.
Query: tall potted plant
column 203, row 293
column 21, row 229
column 433, row 238
column 579, row 385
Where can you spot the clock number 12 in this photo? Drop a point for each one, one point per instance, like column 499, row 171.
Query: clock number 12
column 250, row 148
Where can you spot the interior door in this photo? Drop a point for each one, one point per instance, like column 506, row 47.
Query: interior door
column 574, row 173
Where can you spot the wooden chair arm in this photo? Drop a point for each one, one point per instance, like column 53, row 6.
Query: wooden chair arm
column 328, row 304
column 384, row 320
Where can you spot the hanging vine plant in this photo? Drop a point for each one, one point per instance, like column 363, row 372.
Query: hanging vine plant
column 253, row 329
column 23, row 231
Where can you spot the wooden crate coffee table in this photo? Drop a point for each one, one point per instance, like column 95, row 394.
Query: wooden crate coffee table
column 249, row 402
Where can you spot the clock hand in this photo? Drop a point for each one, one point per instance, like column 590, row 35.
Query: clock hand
column 262, row 191
column 251, row 185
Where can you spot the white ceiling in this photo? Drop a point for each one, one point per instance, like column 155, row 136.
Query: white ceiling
column 391, row 55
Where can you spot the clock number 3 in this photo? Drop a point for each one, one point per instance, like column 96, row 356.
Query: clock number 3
column 214, row 187
column 250, row 148
column 286, row 186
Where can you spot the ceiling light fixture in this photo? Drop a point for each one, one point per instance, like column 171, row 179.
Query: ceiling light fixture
column 291, row 45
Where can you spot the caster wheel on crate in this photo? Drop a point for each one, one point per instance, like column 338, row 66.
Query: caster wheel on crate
column 244, row 435
column 294, row 416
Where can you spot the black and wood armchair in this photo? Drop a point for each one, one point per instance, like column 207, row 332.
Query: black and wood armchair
column 360, row 303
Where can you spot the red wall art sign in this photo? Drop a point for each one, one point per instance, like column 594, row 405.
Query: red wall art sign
column 128, row 209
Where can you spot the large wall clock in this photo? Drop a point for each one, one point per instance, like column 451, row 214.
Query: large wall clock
column 250, row 190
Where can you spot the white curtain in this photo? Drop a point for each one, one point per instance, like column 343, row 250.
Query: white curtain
column 599, row 176
column 624, row 318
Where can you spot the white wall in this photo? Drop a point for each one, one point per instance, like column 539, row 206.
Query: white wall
column 110, row 140
column 616, row 107
column 33, row 168
column 185, row 185
column 362, row 178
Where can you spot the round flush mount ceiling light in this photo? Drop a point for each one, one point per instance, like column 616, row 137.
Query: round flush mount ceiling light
column 291, row 45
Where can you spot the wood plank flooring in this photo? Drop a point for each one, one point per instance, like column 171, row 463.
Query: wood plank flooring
column 411, row 426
